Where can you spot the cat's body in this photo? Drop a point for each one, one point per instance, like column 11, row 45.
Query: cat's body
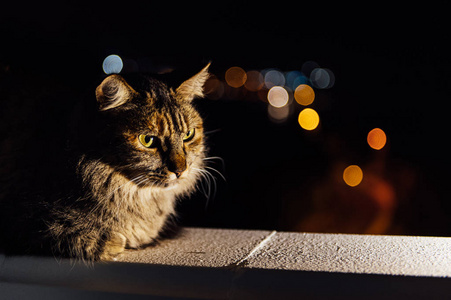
column 117, row 184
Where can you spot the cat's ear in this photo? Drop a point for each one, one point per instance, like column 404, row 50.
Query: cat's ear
column 114, row 91
column 193, row 87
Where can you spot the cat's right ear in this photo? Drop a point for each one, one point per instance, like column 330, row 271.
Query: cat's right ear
column 114, row 91
column 193, row 87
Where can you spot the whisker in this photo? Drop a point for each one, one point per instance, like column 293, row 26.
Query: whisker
column 212, row 131
column 210, row 182
column 203, row 177
column 141, row 181
column 215, row 187
column 213, row 158
column 128, row 182
column 217, row 172
column 205, row 190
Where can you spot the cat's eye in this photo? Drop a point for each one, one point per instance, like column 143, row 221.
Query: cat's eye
column 147, row 140
column 189, row 135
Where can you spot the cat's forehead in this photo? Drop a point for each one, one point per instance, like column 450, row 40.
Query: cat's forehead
column 158, row 94
column 161, row 113
column 167, row 121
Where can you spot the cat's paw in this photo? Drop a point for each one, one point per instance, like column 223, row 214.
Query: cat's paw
column 113, row 247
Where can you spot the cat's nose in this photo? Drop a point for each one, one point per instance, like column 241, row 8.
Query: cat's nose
column 178, row 167
column 178, row 173
column 176, row 163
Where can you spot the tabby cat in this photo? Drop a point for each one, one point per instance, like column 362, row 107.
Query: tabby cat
column 118, row 180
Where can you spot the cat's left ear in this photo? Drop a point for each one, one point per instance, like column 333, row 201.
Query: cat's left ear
column 114, row 91
column 193, row 87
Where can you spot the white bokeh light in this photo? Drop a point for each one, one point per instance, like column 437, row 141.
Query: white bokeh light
column 278, row 96
column 322, row 78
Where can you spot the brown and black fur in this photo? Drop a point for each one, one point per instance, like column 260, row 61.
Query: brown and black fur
column 106, row 192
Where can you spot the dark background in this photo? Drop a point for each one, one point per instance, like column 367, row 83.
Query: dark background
column 392, row 70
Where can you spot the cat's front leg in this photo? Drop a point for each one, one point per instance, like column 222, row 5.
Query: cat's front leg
column 113, row 247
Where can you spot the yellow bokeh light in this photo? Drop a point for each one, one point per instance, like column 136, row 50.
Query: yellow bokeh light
column 353, row 175
column 235, row 77
column 304, row 94
column 377, row 139
column 308, row 119
column 278, row 96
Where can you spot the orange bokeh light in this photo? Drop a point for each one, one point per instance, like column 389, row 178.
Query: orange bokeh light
column 377, row 139
column 254, row 81
column 235, row 77
column 353, row 175
column 213, row 88
column 304, row 94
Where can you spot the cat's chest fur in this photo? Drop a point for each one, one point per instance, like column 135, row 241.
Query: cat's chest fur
column 141, row 214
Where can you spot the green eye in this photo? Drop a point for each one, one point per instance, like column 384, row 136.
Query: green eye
column 146, row 140
column 189, row 135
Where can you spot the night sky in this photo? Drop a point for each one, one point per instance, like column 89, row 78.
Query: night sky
column 392, row 71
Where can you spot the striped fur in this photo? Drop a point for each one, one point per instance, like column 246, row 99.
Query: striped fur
column 120, row 194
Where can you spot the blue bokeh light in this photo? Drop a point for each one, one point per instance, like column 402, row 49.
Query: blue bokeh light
column 112, row 64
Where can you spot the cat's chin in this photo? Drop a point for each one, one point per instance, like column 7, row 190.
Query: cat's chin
column 170, row 184
column 179, row 185
column 170, row 187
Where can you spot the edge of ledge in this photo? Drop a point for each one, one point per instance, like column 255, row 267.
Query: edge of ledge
column 264, row 264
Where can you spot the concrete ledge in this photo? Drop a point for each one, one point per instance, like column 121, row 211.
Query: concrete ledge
column 238, row 264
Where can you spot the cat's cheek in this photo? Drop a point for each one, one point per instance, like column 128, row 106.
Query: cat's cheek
column 198, row 151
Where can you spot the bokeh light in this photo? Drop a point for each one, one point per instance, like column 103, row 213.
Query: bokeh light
column 353, row 175
column 278, row 114
column 377, row 139
column 112, row 64
column 322, row 78
column 254, row 81
column 262, row 94
column 214, row 88
column 308, row 67
column 278, row 96
column 304, row 94
column 273, row 77
column 235, row 77
column 294, row 79
column 308, row 119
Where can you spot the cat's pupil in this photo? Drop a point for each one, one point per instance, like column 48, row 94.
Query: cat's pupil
column 147, row 139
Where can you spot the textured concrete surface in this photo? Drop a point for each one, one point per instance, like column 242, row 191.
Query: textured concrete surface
column 240, row 264
column 363, row 254
column 200, row 248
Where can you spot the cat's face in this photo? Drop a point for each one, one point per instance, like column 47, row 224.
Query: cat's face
column 157, row 134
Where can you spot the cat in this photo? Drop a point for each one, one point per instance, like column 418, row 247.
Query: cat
column 116, row 183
